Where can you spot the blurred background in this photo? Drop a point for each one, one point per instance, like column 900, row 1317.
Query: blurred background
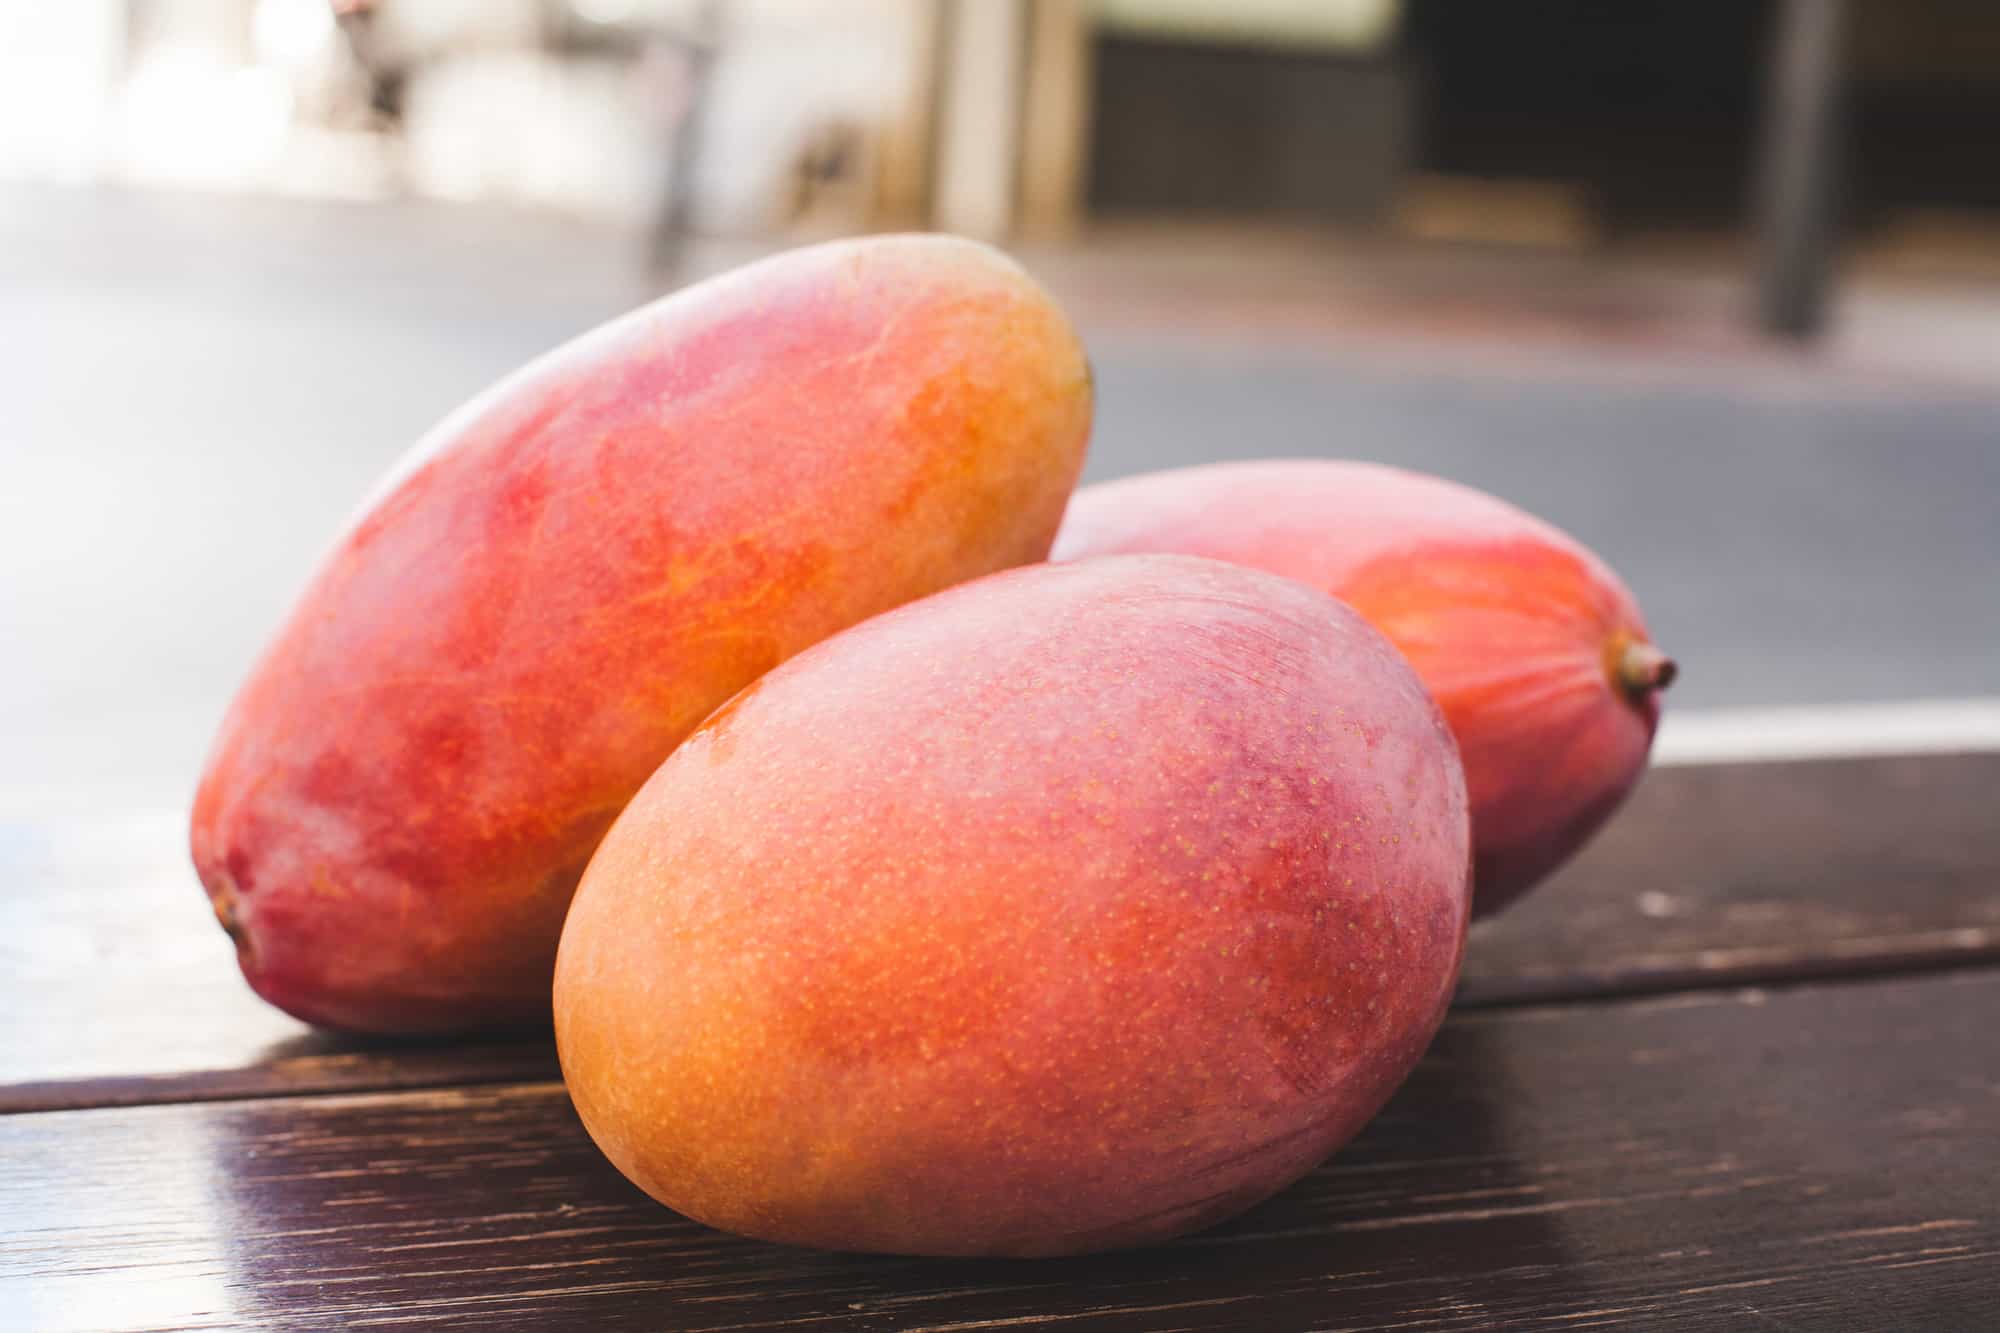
column 1714, row 284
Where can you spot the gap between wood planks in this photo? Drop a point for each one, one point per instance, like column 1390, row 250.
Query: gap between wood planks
column 1952, row 950
column 270, row 1084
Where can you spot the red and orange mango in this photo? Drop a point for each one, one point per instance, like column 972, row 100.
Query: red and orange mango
column 1530, row 643
column 567, row 575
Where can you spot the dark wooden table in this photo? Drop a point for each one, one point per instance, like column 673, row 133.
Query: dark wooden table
column 1739, row 1067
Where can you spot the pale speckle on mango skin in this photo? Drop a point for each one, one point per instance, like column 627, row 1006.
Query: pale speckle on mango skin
column 1052, row 913
column 570, row 572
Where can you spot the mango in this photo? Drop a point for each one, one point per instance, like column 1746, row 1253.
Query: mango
column 569, row 573
column 1070, row 909
column 1530, row 643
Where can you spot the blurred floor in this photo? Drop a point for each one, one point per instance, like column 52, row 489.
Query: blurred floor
column 1667, row 308
column 194, row 390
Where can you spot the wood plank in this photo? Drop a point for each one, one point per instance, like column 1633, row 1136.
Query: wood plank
column 1813, row 1158
column 1730, row 873
column 116, row 987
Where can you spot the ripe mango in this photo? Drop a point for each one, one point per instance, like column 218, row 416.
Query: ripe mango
column 1069, row 909
column 568, row 574
column 1530, row 643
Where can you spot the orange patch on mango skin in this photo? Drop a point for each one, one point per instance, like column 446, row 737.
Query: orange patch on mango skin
column 569, row 573
column 1514, row 627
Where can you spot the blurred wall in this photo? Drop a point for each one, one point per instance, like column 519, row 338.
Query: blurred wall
column 1564, row 121
column 59, row 69
column 788, row 71
column 569, row 104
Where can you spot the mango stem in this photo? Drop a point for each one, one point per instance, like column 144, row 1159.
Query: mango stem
column 1642, row 669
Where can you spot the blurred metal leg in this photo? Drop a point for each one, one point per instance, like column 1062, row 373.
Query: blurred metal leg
column 1795, row 183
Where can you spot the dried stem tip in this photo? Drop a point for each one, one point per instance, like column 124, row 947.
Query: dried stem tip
column 1642, row 668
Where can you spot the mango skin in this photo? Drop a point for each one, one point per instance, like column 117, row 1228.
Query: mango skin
column 1517, row 629
column 568, row 574
column 1071, row 909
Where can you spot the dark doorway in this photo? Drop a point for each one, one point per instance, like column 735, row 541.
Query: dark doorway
column 1652, row 106
column 1184, row 127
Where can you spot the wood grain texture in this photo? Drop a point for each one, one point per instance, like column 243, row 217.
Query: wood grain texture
column 1732, row 873
column 116, row 987
column 1816, row 1158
